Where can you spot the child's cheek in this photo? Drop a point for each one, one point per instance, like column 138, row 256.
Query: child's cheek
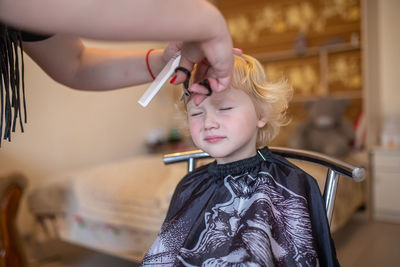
column 228, row 120
column 195, row 130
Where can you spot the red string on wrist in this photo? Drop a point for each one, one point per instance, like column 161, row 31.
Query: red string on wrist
column 148, row 65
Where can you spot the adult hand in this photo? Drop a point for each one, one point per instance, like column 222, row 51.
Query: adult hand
column 216, row 52
column 202, row 73
column 172, row 50
column 216, row 58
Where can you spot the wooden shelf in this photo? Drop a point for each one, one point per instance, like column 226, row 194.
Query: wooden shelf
column 339, row 95
column 310, row 52
column 322, row 53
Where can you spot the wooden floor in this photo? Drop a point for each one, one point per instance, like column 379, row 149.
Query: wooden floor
column 359, row 243
column 365, row 244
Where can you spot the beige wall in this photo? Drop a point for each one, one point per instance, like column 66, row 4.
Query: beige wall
column 381, row 64
column 389, row 55
column 70, row 129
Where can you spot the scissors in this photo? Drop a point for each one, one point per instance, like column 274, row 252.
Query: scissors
column 164, row 75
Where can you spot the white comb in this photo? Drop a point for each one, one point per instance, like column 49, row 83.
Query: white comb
column 159, row 81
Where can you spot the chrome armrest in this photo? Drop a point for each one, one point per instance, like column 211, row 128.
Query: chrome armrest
column 355, row 172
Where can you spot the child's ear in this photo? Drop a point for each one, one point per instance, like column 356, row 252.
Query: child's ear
column 262, row 120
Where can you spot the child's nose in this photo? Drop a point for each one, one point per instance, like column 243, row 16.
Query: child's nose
column 211, row 122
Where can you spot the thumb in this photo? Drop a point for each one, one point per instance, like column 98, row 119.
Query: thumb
column 220, row 84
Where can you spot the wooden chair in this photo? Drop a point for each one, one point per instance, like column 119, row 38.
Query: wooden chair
column 335, row 168
column 12, row 187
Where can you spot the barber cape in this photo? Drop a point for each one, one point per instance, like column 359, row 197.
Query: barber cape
column 259, row 211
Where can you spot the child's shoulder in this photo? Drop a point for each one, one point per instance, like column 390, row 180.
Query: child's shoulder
column 284, row 165
column 196, row 176
column 191, row 182
column 278, row 159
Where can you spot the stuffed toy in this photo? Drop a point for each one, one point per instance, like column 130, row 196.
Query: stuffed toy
column 326, row 130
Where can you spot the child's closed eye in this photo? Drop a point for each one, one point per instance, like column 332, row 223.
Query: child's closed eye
column 194, row 114
column 225, row 108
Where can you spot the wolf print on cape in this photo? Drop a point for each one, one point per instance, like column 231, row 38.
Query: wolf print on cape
column 263, row 224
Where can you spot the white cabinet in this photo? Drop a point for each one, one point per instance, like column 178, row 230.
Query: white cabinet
column 386, row 184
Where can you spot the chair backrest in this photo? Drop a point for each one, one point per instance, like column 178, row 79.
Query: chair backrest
column 335, row 168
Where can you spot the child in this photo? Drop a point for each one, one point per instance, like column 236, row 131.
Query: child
column 249, row 207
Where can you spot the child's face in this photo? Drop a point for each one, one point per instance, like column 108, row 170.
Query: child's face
column 225, row 125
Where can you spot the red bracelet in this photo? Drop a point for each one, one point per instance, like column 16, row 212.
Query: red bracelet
column 148, row 65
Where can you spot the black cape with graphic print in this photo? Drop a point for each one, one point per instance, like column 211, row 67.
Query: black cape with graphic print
column 252, row 212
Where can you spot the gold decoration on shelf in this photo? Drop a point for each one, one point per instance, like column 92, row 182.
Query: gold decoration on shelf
column 301, row 17
column 346, row 70
column 344, row 74
column 303, row 78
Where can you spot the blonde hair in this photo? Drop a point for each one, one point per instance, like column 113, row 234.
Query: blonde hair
column 271, row 99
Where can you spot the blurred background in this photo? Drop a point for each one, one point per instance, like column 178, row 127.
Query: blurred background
column 342, row 60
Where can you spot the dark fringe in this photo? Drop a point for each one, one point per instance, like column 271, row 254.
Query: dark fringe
column 11, row 82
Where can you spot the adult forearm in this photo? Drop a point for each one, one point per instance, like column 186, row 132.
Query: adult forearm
column 111, row 69
column 69, row 62
column 183, row 20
